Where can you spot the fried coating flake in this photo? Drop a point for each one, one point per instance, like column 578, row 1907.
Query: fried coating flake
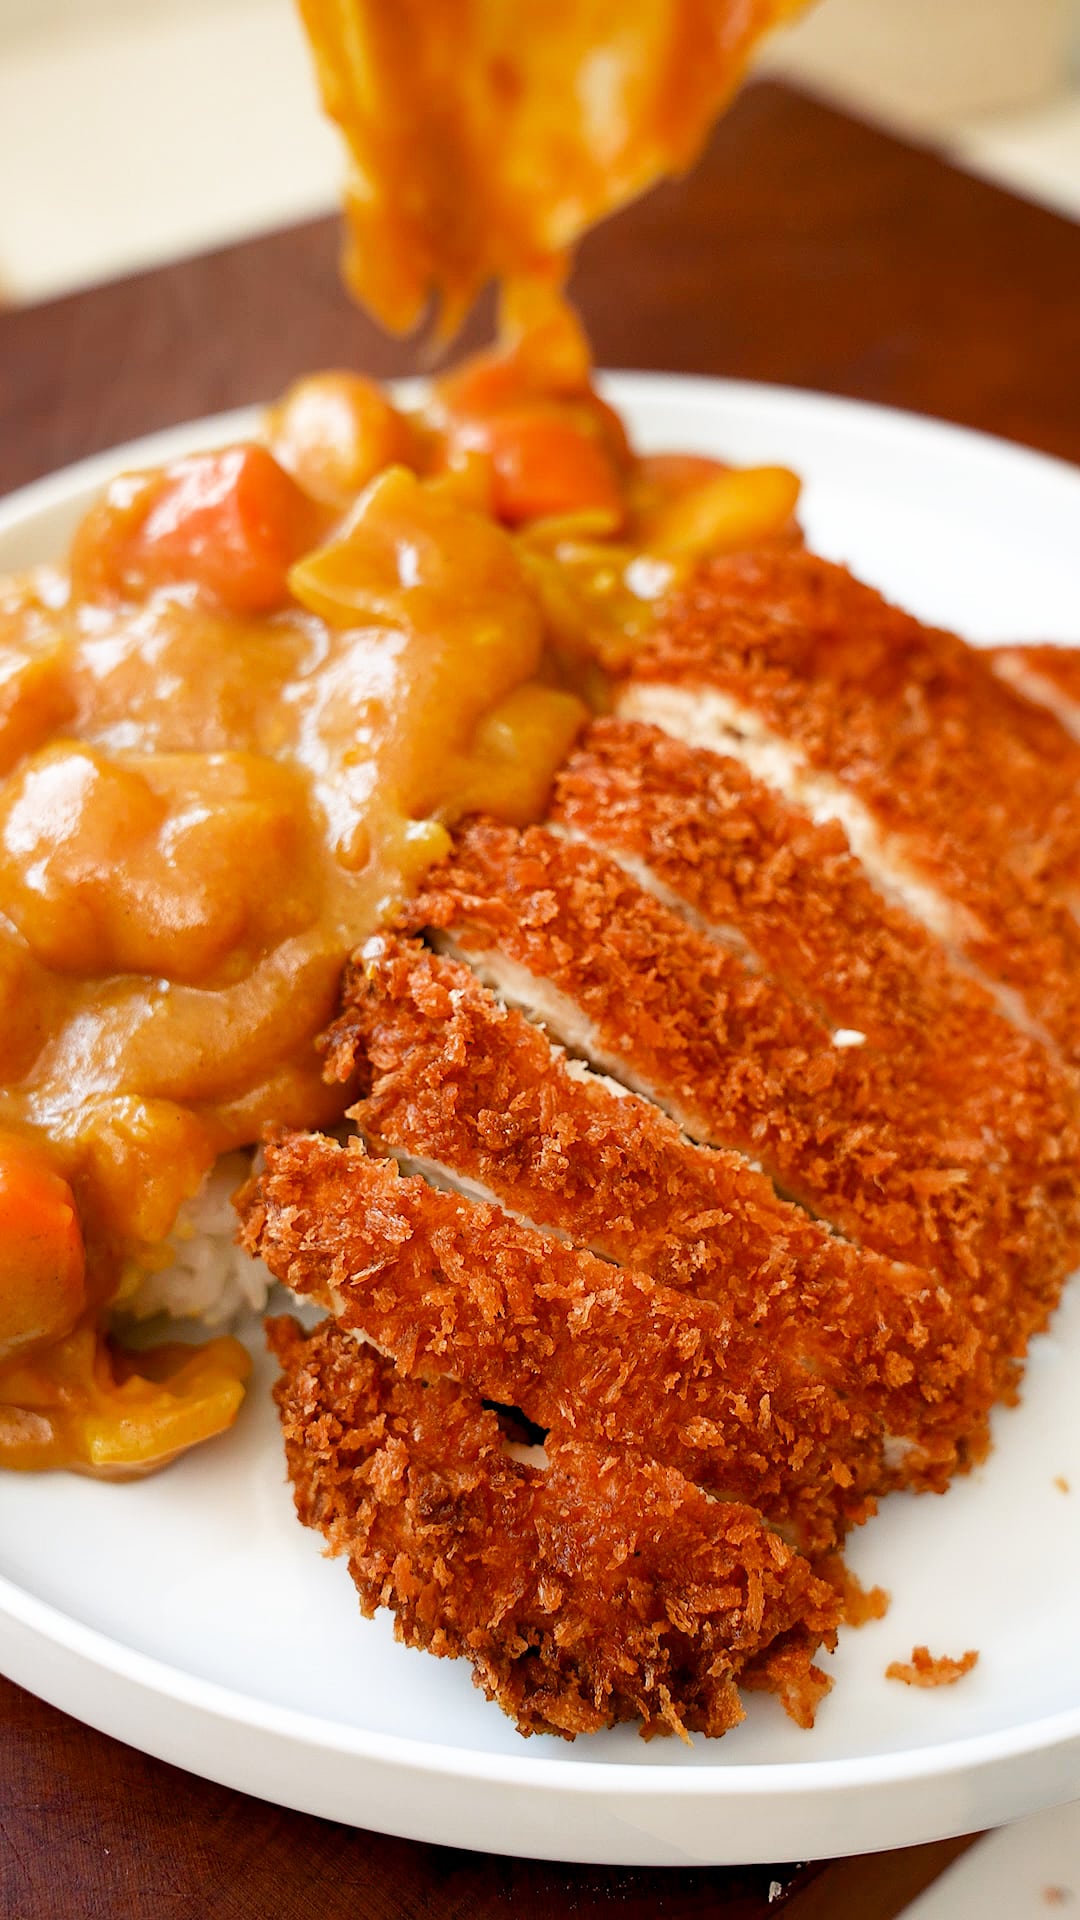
column 929, row 1670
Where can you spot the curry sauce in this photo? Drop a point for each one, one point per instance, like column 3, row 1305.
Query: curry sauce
column 234, row 733
column 225, row 806
column 485, row 139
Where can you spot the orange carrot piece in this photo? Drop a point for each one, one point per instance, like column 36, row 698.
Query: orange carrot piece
column 545, row 464
column 231, row 523
column 483, row 385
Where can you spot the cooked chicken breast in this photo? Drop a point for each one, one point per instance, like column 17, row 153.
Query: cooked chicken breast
column 475, row 1096
column 961, row 799
column 446, row 1286
column 1048, row 676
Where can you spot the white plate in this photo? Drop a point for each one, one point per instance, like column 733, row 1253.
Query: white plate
column 191, row 1616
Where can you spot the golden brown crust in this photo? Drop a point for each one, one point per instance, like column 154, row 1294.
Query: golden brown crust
column 456, row 1079
column 981, row 786
column 601, row 1589
column 741, row 856
column 449, row 1287
column 741, row 1064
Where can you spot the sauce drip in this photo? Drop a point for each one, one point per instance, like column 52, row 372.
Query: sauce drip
column 484, row 138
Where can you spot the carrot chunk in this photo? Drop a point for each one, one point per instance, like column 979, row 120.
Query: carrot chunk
column 544, row 464
column 230, row 523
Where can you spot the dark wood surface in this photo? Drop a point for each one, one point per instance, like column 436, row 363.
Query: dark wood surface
column 806, row 249
column 91, row 1830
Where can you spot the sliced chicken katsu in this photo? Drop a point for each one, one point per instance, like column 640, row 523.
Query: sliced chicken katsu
column 447, row 1286
column 699, row 832
column 626, row 982
column 961, row 798
column 472, row 1094
column 797, row 961
column 1048, row 676
column 595, row 1589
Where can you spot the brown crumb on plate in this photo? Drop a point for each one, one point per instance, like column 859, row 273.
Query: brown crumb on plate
column 926, row 1670
column 1061, row 1483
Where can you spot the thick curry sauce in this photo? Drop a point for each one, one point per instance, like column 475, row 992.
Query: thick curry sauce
column 484, row 138
column 232, row 734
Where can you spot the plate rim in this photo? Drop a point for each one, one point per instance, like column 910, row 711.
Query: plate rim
column 53, row 1624
column 732, row 1783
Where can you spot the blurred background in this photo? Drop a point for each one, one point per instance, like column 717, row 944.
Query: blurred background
column 134, row 131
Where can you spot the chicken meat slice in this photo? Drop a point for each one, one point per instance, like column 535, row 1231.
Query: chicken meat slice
column 625, row 982
column 960, row 798
column 447, row 1286
column 475, row 1097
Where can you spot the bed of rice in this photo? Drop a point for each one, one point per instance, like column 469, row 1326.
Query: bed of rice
column 204, row 1275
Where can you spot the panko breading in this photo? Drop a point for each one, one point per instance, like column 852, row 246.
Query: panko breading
column 450, row 1287
column 625, row 981
column 797, row 668
column 597, row 1589
column 710, row 840
column 699, row 830
column 465, row 1088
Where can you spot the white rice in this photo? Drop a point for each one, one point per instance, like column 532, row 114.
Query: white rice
column 204, row 1275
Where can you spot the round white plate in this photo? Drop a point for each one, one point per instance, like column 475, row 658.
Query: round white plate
column 192, row 1617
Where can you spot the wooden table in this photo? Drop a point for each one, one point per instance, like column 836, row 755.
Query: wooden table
column 806, row 249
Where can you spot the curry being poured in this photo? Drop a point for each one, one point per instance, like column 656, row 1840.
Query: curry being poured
column 487, row 136
column 236, row 731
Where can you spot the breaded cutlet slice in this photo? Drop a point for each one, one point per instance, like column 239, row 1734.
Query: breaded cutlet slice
column 702, row 834
column 473, row 1094
column 622, row 980
column 447, row 1286
column 960, row 798
column 598, row 1589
